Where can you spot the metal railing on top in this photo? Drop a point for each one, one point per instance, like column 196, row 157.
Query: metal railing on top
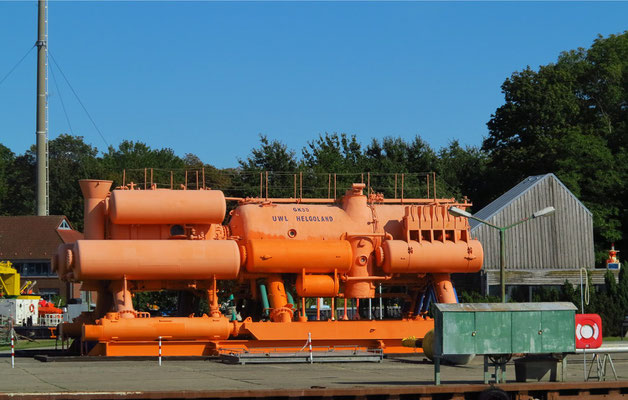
column 299, row 185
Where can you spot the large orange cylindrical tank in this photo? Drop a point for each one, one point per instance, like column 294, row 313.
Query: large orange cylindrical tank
column 292, row 256
column 156, row 259
column 290, row 221
column 201, row 328
column 167, row 207
column 414, row 257
column 94, row 191
column 317, row 286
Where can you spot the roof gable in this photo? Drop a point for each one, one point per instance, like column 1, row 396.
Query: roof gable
column 514, row 193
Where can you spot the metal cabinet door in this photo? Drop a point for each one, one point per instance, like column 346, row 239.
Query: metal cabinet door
column 493, row 331
column 526, row 326
column 457, row 334
column 558, row 331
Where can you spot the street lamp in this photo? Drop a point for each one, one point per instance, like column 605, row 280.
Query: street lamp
column 455, row 211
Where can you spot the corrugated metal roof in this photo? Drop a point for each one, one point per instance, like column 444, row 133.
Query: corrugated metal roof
column 518, row 190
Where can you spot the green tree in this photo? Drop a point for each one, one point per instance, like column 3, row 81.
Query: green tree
column 21, row 185
column 274, row 157
column 137, row 160
column 569, row 118
column 7, row 157
column 70, row 159
column 336, row 154
column 389, row 158
column 463, row 172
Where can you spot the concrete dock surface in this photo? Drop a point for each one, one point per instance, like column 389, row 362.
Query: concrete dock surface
column 32, row 376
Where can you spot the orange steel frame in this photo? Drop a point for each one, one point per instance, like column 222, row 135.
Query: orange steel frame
column 342, row 249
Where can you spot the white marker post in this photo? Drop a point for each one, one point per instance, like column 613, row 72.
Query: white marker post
column 12, row 350
column 309, row 339
column 160, row 351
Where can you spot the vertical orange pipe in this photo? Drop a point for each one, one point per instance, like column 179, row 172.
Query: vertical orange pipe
column 212, row 299
column 345, row 317
column 122, row 300
column 443, row 288
column 103, row 303
column 94, row 191
column 278, row 299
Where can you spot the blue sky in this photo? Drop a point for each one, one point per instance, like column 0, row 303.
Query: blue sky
column 208, row 77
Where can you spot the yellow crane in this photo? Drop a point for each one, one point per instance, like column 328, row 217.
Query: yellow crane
column 9, row 280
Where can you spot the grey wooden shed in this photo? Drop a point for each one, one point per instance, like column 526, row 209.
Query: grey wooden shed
column 542, row 251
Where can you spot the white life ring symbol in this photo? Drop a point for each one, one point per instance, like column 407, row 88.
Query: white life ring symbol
column 31, row 308
column 587, row 331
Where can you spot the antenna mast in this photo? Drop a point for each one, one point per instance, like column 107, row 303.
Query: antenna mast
column 42, row 109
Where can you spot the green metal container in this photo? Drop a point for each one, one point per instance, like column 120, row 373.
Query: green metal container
column 498, row 328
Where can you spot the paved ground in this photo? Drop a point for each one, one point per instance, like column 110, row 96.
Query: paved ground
column 30, row 375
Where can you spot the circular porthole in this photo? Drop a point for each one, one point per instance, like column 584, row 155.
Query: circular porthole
column 292, row 233
column 177, row 230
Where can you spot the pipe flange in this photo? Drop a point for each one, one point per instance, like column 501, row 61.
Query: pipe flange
column 277, row 313
column 122, row 312
column 379, row 256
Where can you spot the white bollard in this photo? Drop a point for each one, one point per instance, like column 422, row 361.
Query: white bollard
column 160, row 351
column 12, row 350
column 309, row 340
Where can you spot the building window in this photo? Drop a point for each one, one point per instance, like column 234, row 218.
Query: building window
column 48, row 294
column 27, row 269
column 64, row 225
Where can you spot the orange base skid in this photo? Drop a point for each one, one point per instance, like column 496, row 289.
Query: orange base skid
column 284, row 337
column 178, row 348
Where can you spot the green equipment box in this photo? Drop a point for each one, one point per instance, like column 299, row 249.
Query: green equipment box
column 504, row 328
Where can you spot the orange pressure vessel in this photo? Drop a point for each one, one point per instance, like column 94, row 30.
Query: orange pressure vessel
column 290, row 221
column 425, row 257
column 292, row 256
column 155, row 259
column 317, row 286
column 200, row 328
column 167, row 207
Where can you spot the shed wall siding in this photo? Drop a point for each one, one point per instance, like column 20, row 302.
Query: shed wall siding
column 563, row 240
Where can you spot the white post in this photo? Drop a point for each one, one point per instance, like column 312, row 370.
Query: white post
column 160, row 351
column 381, row 312
column 309, row 340
column 12, row 349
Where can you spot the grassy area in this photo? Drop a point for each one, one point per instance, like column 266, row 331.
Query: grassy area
column 613, row 339
column 25, row 344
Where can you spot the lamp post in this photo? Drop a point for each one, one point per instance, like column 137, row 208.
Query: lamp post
column 455, row 211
